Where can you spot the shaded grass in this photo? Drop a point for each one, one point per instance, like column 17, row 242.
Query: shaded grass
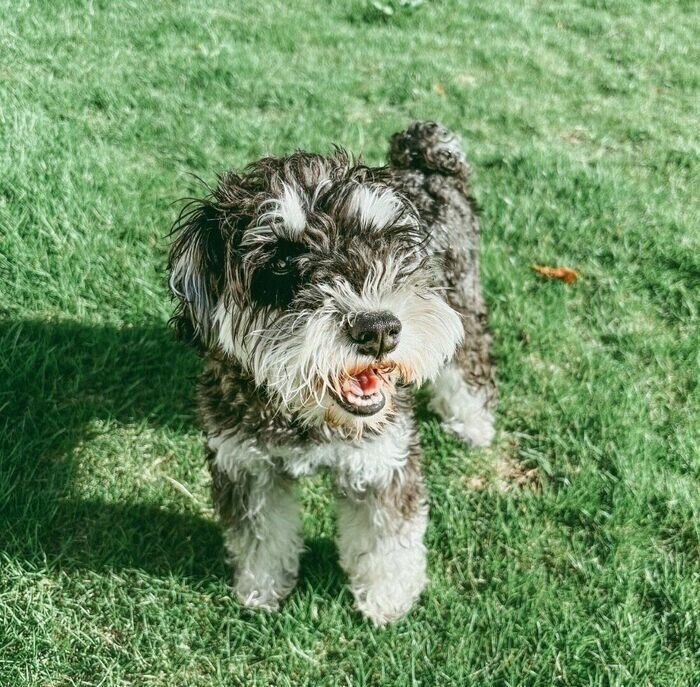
column 580, row 119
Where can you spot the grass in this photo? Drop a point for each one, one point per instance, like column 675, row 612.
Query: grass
column 568, row 554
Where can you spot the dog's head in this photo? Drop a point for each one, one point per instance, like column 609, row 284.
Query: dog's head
column 314, row 275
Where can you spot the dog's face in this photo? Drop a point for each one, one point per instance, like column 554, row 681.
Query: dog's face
column 313, row 274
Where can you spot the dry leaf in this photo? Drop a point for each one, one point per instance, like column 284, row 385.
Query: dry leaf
column 439, row 89
column 566, row 274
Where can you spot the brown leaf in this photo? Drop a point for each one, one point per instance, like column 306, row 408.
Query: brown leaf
column 439, row 89
column 566, row 274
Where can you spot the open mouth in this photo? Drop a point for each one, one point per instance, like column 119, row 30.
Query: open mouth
column 361, row 393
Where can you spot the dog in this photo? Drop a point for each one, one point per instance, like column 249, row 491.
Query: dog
column 319, row 291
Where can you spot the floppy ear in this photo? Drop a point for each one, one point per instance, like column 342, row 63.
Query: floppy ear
column 196, row 266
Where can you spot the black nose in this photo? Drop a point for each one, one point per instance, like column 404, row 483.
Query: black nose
column 375, row 333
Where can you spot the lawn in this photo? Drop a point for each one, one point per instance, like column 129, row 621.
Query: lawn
column 566, row 554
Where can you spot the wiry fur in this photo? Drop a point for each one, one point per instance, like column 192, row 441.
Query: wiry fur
column 270, row 273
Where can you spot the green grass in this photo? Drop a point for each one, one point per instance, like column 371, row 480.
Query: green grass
column 581, row 121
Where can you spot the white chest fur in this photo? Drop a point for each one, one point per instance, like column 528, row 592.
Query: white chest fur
column 357, row 465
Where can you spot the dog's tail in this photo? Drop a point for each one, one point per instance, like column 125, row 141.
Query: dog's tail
column 430, row 147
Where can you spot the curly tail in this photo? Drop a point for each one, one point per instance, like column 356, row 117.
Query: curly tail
column 430, row 147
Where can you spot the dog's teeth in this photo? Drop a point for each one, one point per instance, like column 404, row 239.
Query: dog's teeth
column 352, row 393
column 356, row 400
column 352, row 387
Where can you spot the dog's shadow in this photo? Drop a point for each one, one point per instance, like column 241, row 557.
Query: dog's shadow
column 56, row 380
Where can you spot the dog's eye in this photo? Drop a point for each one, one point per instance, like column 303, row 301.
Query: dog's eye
column 275, row 282
column 281, row 266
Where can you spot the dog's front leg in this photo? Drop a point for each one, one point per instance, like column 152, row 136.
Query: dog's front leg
column 381, row 545
column 262, row 533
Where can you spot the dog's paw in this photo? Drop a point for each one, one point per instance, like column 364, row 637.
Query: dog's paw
column 389, row 599
column 258, row 599
column 263, row 594
column 463, row 409
column 478, row 429
column 387, row 583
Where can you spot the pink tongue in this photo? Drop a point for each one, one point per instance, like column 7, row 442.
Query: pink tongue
column 368, row 381
column 364, row 383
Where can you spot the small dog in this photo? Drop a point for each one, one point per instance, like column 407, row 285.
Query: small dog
column 319, row 291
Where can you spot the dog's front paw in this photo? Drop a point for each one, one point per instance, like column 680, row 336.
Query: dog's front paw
column 264, row 593
column 386, row 600
column 387, row 582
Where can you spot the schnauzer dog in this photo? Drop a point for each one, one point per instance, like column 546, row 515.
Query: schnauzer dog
column 319, row 291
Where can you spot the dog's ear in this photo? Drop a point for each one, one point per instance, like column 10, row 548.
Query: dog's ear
column 196, row 266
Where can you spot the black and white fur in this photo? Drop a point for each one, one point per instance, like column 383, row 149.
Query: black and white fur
column 272, row 272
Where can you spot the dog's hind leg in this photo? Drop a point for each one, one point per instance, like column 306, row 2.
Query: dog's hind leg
column 429, row 166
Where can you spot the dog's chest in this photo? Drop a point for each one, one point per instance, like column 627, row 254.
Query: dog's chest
column 364, row 462
column 356, row 464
